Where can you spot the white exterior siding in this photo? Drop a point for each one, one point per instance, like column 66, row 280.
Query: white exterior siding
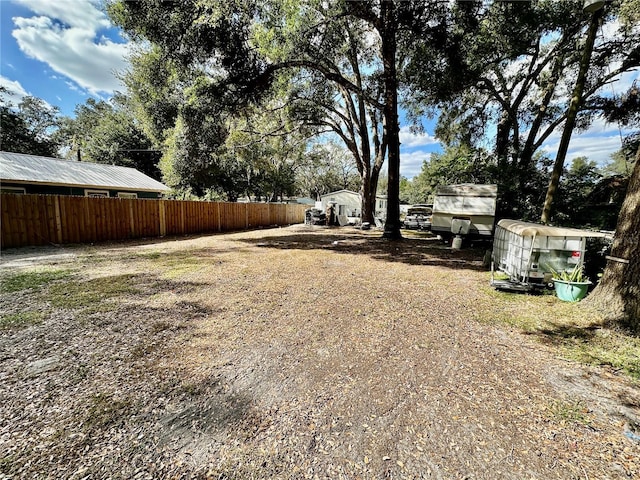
column 349, row 203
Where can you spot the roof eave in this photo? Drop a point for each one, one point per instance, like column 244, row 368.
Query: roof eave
column 82, row 185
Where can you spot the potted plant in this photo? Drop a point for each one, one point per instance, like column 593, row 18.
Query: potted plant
column 571, row 286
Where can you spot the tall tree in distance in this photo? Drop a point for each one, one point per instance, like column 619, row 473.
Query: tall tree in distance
column 327, row 167
column 511, row 71
column 577, row 99
column 108, row 132
column 28, row 127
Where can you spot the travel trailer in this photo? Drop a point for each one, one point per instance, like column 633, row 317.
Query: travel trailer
column 464, row 210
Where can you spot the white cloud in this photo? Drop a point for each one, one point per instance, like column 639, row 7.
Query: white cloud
column 411, row 163
column 412, row 140
column 15, row 91
column 597, row 143
column 75, row 13
column 65, row 37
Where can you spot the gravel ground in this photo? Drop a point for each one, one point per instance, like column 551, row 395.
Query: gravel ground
column 300, row 352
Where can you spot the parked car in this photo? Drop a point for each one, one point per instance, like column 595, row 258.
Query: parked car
column 419, row 217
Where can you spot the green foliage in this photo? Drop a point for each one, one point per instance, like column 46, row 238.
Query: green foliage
column 575, row 275
column 193, row 160
column 571, row 204
column 29, row 127
column 578, row 332
column 107, row 132
column 457, row 164
column 20, row 320
column 326, row 167
column 572, row 412
column 505, row 78
column 82, row 294
column 154, row 93
column 326, row 56
column 621, row 164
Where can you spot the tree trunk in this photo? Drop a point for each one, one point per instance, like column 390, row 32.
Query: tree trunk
column 502, row 139
column 618, row 293
column 391, row 124
column 574, row 105
column 368, row 199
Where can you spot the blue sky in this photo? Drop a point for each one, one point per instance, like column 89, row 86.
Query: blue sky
column 62, row 51
column 65, row 51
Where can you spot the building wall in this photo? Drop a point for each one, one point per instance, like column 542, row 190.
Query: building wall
column 40, row 189
column 348, row 202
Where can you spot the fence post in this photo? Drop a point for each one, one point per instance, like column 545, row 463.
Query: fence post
column 219, row 216
column 163, row 218
column 58, row 218
column 132, row 220
column 182, row 217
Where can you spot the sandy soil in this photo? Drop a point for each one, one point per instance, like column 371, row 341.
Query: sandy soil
column 300, row 352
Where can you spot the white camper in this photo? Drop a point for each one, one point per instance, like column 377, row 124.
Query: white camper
column 464, row 209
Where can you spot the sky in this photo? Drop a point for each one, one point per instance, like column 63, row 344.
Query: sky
column 66, row 51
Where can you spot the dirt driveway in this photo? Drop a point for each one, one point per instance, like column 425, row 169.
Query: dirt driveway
column 289, row 353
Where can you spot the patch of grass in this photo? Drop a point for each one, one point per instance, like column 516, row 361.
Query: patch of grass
column 31, row 280
column 608, row 347
column 579, row 334
column 180, row 271
column 175, row 265
column 569, row 412
column 79, row 294
column 20, row 320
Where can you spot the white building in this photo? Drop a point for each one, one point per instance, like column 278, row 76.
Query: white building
column 349, row 204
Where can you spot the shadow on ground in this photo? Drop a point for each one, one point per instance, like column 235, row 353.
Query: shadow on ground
column 417, row 249
column 558, row 334
column 412, row 251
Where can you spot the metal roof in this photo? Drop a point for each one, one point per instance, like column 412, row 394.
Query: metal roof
column 525, row 229
column 468, row 189
column 21, row 168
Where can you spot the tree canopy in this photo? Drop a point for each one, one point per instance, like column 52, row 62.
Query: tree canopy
column 107, row 132
column 518, row 66
column 29, row 126
column 340, row 61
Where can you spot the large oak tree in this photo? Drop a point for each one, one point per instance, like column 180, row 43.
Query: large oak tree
column 230, row 53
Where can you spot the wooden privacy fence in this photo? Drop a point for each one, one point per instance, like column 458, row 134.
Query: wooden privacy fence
column 45, row 219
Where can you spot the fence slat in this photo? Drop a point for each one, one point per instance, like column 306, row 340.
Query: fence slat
column 42, row 219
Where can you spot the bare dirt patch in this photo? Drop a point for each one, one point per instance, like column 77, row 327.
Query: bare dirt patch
column 291, row 353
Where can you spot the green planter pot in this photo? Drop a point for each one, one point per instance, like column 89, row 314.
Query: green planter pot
column 570, row 291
